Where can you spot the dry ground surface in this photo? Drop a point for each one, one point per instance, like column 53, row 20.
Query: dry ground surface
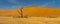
column 30, row 20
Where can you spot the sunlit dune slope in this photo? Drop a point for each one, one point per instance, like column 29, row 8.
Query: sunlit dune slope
column 9, row 13
column 37, row 11
column 32, row 11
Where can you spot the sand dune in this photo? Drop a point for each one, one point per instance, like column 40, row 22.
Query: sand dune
column 32, row 11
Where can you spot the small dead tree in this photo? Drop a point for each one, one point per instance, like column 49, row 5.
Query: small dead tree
column 20, row 13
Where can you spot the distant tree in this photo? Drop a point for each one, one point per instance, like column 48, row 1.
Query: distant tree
column 20, row 11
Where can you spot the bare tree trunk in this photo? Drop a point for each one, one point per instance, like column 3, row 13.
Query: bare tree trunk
column 21, row 13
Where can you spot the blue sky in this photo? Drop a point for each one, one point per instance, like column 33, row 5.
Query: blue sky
column 14, row 4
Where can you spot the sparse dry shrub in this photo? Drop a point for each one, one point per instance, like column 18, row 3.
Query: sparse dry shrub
column 16, row 16
column 25, row 16
column 51, row 16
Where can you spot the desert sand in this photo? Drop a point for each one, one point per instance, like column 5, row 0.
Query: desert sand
column 30, row 20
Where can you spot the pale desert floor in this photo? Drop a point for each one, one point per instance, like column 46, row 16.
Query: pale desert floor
column 30, row 20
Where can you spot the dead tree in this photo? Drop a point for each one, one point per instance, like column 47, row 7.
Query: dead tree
column 20, row 11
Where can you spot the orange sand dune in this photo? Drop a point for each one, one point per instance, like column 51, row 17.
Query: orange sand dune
column 32, row 11
column 36, row 11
